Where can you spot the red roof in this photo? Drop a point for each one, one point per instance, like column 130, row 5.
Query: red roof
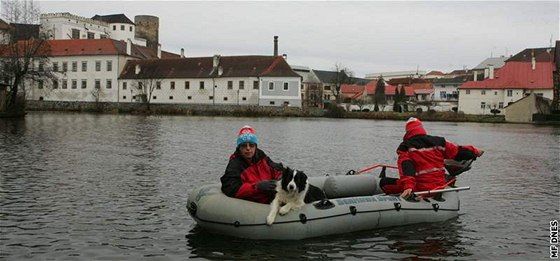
column 73, row 47
column 354, row 90
column 435, row 73
column 517, row 75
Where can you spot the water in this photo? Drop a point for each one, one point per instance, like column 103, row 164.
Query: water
column 114, row 187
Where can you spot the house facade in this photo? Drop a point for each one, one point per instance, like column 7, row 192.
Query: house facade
column 86, row 70
column 529, row 71
column 225, row 80
column 311, row 87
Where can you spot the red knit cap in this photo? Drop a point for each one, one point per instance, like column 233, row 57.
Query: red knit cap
column 246, row 129
column 412, row 124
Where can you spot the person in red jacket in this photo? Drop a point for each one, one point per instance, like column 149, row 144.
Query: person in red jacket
column 250, row 173
column 421, row 160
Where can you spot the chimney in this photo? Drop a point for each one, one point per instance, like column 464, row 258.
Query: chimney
column 490, row 71
column 533, row 63
column 128, row 47
column 159, row 51
column 216, row 60
column 275, row 45
column 475, row 76
column 137, row 69
column 182, row 53
column 285, row 56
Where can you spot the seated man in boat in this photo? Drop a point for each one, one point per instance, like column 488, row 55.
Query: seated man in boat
column 250, row 173
column 421, row 161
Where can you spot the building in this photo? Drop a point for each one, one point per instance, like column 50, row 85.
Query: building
column 225, row 80
column 60, row 26
column 5, row 32
column 88, row 69
column 529, row 71
column 485, row 66
column 311, row 87
column 523, row 109
column 397, row 74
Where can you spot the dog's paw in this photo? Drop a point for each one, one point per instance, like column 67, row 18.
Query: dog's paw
column 284, row 210
column 270, row 219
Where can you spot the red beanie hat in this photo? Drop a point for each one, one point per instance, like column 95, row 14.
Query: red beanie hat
column 412, row 124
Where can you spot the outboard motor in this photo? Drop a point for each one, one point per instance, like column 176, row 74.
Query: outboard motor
column 454, row 168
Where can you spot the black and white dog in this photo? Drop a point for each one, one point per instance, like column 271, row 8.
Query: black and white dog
column 292, row 192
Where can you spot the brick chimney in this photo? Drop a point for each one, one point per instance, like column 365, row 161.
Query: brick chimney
column 128, row 47
column 182, row 53
column 275, row 45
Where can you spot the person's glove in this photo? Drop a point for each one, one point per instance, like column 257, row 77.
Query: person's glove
column 266, row 185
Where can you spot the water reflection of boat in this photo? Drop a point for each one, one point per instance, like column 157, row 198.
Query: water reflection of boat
column 355, row 204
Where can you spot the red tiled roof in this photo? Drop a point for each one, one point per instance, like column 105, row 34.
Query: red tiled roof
column 355, row 90
column 435, row 73
column 518, row 75
column 73, row 47
column 202, row 67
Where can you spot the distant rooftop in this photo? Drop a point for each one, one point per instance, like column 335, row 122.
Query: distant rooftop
column 114, row 18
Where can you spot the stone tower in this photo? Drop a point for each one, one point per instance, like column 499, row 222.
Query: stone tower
column 147, row 27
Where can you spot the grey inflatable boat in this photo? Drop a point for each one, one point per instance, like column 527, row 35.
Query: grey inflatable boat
column 355, row 203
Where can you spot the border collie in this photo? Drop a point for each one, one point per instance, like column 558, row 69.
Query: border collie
column 292, row 192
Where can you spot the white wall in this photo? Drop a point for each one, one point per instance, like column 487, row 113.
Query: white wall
column 472, row 103
column 60, row 26
column 279, row 96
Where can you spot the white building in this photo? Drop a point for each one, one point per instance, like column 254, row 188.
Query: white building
column 68, row 26
column 397, row 74
column 87, row 69
column 229, row 80
column 529, row 71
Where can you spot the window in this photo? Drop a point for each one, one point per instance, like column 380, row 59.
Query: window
column 495, row 93
column 97, row 66
column 124, row 97
column 55, row 66
column 467, row 91
column 189, row 97
column 327, row 87
column 90, row 35
column 210, row 97
column 64, row 84
column 75, row 34
column 256, row 85
column 483, row 92
column 55, row 84
column 241, row 85
column 109, row 84
column 130, row 28
column 74, row 66
column 285, row 86
column 154, row 97
column 64, row 66
column 84, row 66
column 301, row 87
column 40, row 84
column 84, row 84
column 97, row 83
column 501, row 105
column 41, row 66
column 109, row 66
column 124, row 85
column 172, row 87
column 482, row 105
column 244, row 98
column 171, row 97
column 41, row 98
column 114, row 27
column 271, row 86
column 122, row 27
column 442, row 94
column 74, row 84
column 104, row 36
column 230, row 85
column 272, row 103
column 158, row 85
column 509, row 93
column 225, row 98
column 201, row 85
column 187, row 85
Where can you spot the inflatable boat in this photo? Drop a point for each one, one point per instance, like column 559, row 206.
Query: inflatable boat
column 355, row 202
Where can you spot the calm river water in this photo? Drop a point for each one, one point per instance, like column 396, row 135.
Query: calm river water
column 114, row 187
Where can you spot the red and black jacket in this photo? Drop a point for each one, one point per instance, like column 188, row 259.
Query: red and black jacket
column 241, row 177
column 421, row 159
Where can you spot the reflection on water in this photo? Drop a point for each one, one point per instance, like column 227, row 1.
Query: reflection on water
column 93, row 187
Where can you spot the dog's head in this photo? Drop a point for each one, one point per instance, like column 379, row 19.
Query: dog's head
column 294, row 180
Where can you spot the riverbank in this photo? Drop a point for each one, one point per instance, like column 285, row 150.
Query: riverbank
column 250, row 111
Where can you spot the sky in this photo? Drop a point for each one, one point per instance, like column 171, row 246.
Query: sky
column 365, row 36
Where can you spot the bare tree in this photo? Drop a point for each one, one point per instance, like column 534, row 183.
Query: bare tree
column 149, row 79
column 25, row 57
column 342, row 76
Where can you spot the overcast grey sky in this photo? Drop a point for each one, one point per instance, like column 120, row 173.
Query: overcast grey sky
column 366, row 37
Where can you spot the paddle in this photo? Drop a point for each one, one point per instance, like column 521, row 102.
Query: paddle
column 353, row 172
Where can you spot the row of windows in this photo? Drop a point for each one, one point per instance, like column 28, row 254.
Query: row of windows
column 271, row 86
column 154, row 97
column 90, row 35
column 122, row 28
column 509, row 93
column 201, row 85
column 483, row 105
column 74, row 84
column 83, row 66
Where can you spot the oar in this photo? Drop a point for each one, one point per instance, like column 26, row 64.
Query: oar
column 353, row 172
column 429, row 192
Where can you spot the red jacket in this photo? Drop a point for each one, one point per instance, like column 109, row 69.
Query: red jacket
column 421, row 159
column 241, row 177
